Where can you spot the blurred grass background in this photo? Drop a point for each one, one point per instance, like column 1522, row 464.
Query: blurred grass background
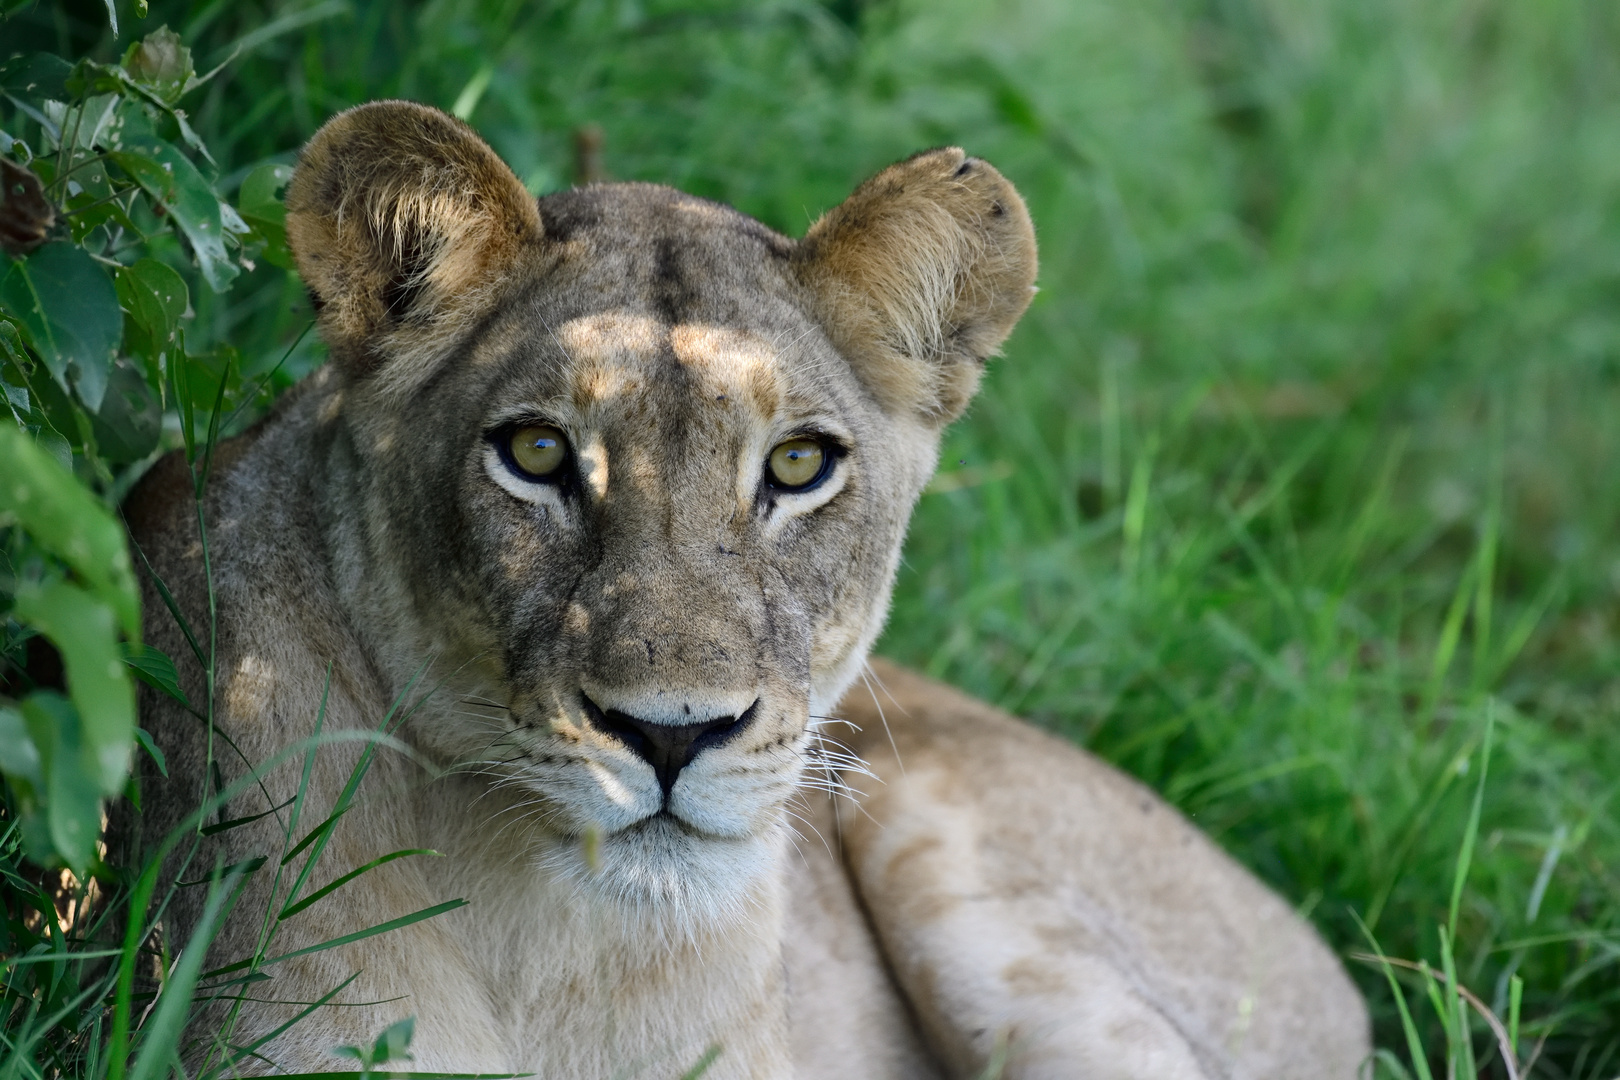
column 1303, row 461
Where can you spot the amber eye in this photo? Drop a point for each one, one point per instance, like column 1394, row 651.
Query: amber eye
column 797, row 464
column 537, row 451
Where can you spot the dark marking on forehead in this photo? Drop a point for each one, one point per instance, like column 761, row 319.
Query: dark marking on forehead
column 566, row 214
column 675, row 382
column 673, row 296
column 616, row 212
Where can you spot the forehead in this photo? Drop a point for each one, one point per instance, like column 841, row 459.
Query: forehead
column 655, row 296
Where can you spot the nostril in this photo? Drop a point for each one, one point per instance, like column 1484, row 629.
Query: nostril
column 668, row 748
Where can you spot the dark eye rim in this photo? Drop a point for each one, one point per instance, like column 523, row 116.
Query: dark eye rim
column 831, row 451
column 501, row 439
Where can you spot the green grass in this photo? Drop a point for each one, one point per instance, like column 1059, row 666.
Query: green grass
column 1299, row 476
column 1309, row 439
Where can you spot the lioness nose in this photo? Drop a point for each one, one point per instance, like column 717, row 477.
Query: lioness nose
column 668, row 748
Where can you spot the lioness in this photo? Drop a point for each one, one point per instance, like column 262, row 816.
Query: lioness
column 629, row 473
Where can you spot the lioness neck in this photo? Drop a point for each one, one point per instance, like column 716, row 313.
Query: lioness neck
column 575, row 985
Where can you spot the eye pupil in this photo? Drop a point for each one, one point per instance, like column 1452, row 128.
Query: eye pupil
column 797, row 464
column 538, row 450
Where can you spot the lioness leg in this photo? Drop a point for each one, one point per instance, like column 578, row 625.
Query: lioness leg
column 1034, row 902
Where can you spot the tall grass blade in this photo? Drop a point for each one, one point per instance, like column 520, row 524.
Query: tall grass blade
column 161, row 1033
column 359, row 935
column 1414, row 1041
column 292, row 909
column 1465, row 856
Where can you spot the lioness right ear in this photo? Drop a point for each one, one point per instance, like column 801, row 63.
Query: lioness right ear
column 402, row 221
column 920, row 275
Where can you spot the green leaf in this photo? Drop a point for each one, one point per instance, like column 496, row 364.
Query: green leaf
column 394, row 1044
column 160, row 63
column 72, row 801
column 130, row 421
column 87, row 125
column 153, row 751
column 69, row 309
column 155, row 296
column 85, row 632
column 258, row 196
column 19, row 757
column 66, row 520
column 170, row 178
column 154, row 668
column 39, row 76
column 263, row 209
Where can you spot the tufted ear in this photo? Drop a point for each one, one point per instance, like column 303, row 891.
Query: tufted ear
column 920, row 275
column 404, row 223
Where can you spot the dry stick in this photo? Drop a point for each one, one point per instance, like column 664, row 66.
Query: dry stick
column 1503, row 1043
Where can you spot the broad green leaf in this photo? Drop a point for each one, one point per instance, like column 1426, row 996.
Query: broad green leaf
column 154, row 668
column 156, row 296
column 202, row 372
column 394, row 1044
column 72, row 801
column 39, row 76
column 264, row 210
column 85, row 632
column 160, row 63
column 68, row 307
column 65, row 519
column 11, row 345
column 19, row 757
column 86, row 125
column 90, row 204
column 13, row 386
column 258, row 196
column 130, row 421
column 170, row 178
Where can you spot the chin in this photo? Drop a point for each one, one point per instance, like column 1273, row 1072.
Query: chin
column 662, row 874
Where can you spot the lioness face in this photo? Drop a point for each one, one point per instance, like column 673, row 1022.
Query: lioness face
column 605, row 533
column 636, row 470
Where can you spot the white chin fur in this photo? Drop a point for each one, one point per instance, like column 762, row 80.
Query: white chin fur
column 656, row 874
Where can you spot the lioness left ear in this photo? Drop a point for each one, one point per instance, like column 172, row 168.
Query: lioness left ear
column 920, row 275
column 403, row 222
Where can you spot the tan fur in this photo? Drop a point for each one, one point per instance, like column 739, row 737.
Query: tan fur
column 989, row 882
column 921, row 274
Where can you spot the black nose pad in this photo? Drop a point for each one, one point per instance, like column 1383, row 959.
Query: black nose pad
column 668, row 748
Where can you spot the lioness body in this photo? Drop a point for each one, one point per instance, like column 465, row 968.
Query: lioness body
column 665, row 592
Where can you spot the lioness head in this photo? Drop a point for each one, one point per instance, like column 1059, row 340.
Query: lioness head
column 635, row 469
